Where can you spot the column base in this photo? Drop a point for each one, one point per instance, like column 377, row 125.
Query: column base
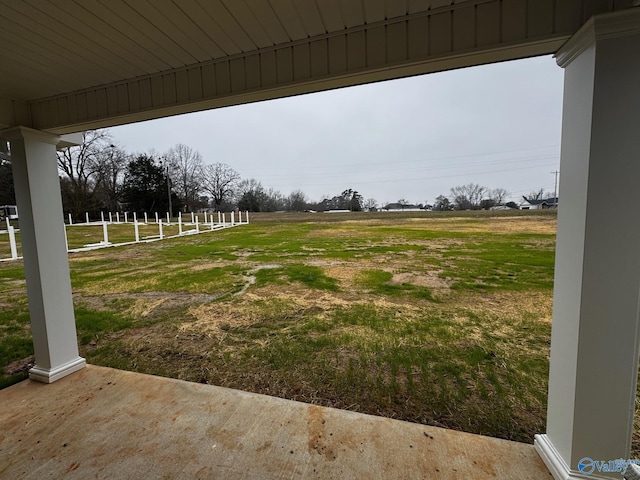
column 556, row 464
column 50, row 375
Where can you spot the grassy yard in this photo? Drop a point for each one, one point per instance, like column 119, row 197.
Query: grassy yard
column 442, row 319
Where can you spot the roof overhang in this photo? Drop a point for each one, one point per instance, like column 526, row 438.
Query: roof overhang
column 70, row 67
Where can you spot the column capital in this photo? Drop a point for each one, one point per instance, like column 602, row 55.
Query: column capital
column 26, row 133
column 608, row 25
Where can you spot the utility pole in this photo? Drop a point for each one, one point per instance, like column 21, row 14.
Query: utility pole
column 555, row 188
column 165, row 163
column 169, row 191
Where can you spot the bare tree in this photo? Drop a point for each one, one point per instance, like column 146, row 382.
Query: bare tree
column 250, row 195
column 79, row 166
column 499, row 195
column 370, row 204
column 536, row 195
column 468, row 197
column 273, row 201
column 297, row 201
column 442, row 203
column 110, row 171
column 220, row 181
column 187, row 173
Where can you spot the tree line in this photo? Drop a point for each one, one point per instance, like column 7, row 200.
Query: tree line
column 473, row 196
column 100, row 176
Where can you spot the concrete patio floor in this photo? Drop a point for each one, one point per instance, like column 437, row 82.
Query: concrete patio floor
column 106, row 423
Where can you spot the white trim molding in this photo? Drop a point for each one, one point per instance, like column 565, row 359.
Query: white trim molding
column 556, row 464
column 50, row 375
column 599, row 27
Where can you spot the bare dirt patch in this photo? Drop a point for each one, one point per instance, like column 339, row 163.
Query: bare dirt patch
column 19, row 366
column 429, row 279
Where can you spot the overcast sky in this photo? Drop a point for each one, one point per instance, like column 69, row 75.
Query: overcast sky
column 415, row 138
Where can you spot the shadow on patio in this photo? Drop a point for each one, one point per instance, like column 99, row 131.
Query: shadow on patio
column 106, row 423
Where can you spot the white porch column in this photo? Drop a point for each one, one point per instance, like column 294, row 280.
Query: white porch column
column 35, row 174
column 594, row 342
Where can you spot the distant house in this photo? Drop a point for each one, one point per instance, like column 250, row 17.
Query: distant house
column 540, row 204
column 401, row 207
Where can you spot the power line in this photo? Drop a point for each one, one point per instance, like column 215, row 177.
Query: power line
column 430, row 168
column 423, row 160
column 413, row 179
column 447, row 157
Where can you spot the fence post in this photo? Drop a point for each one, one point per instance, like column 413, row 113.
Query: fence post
column 233, row 218
column 219, row 220
column 246, row 214
column 197, row 226
column 192, row 220
column 168, row 219
column 102, row 216
column 86, row 216
column 146, row 219
column 70, row 220
column 179, row 223
column 125, row 217
column 156, row 217
column 110, row 218
column 135, row 229
column 239, row 216
column 105, row 233
column 12, row 242
column 117, row 217
column 160, row 229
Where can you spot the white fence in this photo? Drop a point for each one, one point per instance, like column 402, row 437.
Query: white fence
column 194, row 226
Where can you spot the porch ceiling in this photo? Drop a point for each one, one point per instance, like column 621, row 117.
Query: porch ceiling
column 69, row 65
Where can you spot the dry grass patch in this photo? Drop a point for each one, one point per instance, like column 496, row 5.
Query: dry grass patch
column 536, row 304
column 214, row 319
column 519, row 225
column 428, row 279
column 143, row 307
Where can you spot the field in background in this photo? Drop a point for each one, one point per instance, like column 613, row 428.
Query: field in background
column 435, row 318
